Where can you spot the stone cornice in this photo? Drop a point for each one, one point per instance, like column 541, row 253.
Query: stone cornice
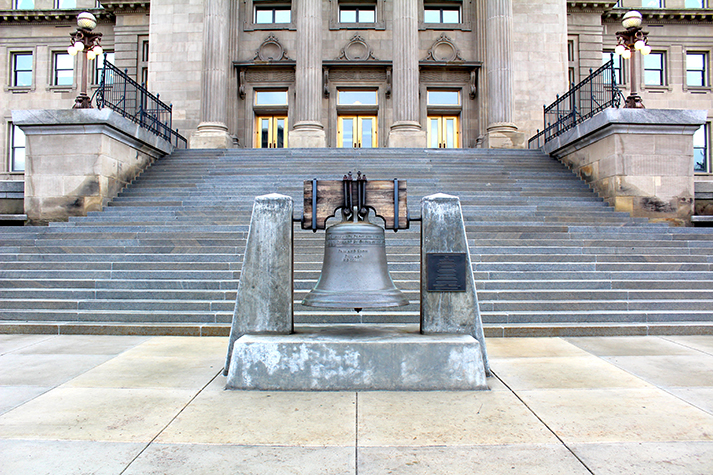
column 121, row 6
column 663, row 15
column 590, row 6
column 37, row 16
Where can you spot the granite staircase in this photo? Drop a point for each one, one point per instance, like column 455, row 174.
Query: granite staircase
column 547, row 253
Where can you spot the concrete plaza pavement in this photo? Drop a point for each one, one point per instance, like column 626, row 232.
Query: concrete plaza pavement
column 156, row 405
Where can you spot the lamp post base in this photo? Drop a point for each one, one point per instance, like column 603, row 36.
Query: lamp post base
column 83, row 101
column 633, row 101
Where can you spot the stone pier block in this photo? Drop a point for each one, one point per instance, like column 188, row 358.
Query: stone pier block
column 356, row 358
column 264, row 301
column 443, row 232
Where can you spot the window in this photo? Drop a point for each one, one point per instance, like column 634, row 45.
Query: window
column 695, row 4
column 443, row 98
column 357, row 14
column 606, row 56
column 654, row 69
column 99, row 66
column 441, row 14
column 23, row 4
column 62, row 4
column 17, row 149
column 271, row 98
column 143, row 63
column 652, row 4
column 700, row 150
column 695, row 69
column 63, row 70
column 279, row 14
column 22, row 69
column 357, row 98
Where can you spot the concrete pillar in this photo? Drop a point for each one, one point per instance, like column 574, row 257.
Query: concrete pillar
column 449, row 303
column 263, row 304
column 212, row 131
column 406, row 130
column 501, row 131
column 308, row 131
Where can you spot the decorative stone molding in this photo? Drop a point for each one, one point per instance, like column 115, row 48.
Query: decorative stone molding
column 357, row 50
column 443, row 50
column 271, row 50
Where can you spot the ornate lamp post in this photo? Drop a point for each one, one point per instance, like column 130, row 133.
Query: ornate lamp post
column 628, row 42
column 85, row 41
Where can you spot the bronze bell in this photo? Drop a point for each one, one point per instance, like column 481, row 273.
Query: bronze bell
column 354, row 271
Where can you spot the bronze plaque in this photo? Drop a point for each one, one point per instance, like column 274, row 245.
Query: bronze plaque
column 445, row 272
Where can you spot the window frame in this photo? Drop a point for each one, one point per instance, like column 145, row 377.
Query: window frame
column 702, row 4
column 252, row 6
column 661, row 4
column 13, row 86
column 336, row 24
column 98, row 66
column 706, row 150
column 58, row 5
column 465, row 14
column 705, row 72
column 15, row 5
column 663, row 71
column 55, row 70
column 371, row 7
column 620, row 71
column 13, row 129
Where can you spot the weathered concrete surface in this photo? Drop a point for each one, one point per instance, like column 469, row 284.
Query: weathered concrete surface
column 355, row 357
column 264, row 300
column 638, row 160
column 78, row 159
column 443, row 231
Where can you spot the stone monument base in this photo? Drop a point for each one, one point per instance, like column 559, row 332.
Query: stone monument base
column 357, row 358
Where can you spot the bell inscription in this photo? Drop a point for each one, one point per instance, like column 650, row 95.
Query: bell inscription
column 445, row 272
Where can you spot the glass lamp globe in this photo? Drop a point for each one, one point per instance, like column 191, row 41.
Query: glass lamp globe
column 646, row 50
column 86, row 21
column 620, row 49
column 632, row 19
column 626, row 54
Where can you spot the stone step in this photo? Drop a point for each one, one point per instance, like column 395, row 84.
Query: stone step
column 544, row 248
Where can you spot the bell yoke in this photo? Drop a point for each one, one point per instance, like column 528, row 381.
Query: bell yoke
column 354, row 270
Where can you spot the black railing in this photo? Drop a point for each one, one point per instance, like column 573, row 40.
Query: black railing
column 595, row 93
column 122, row 94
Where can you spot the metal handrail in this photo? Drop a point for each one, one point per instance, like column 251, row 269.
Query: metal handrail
column 595, row 93
column 122, row 94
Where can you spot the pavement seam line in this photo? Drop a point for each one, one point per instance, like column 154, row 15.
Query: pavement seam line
column 170, row 422
column 543, row 422
column 664, row 337
column 356, row 433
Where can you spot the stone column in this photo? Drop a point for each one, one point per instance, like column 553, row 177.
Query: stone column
column 212, row 131
column 501, row 132
column 406, row 130
column 263, row 304
column 444, row 310
column 308, row 131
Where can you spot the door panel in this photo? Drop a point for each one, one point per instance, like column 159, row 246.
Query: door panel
column 357, row 132
column 271, row 132
column 443, row 132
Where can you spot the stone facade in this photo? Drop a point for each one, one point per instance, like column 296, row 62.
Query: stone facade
column 503, row 58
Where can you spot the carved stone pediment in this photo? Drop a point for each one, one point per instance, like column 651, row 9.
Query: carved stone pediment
column 271, row 50
column 357, row 50
column 443, row 50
